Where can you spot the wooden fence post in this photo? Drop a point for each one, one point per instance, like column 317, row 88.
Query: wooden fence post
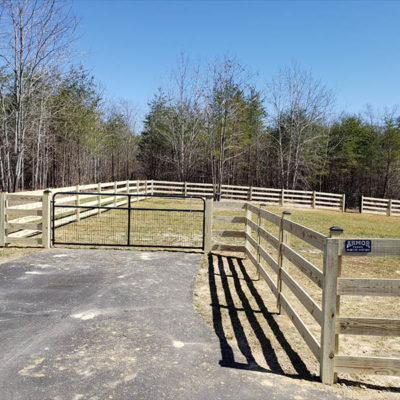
column 283, row 239
column 389, row 209
column 185, row 188
column 247, row 226
column 282, row 197
column 208, row 225
column 250, row 195
column 127, row 186
column 77, row 203
column 258, row 242
column 3, row 197
column 115, row 191
column 335, row 232
column 314, row 199
column 343, row 202
column 361, row 204
column 329, row 308
column 145, row 186
column 46, row 219
column 152, row 187
column 99, row 197
column 137, row 186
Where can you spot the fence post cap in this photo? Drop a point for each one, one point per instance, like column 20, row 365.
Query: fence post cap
column 336, row 229
column 47, row 191
column 286, row 213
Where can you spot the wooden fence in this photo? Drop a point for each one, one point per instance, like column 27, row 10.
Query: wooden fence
column 372, row 205
column 275, row 272
column 25, row 216
column 279, row 197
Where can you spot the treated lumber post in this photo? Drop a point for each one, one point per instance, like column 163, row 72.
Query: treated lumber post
column 137, row 186
column 282, row 197
column 152, row 187
column 3, row 219
column 77, row 203
column 127, row 186
column 258, row 242
column 389, row 208
column 145, row 186
column 99, row 197
column 314, row 199
column 248, row 229
column 208, row 225
column 115, row 191
column 335, row 232
column 46, row 219
column 361, row 204
column 250, row 195
column 283, row 239
column 329, row 305
column 185, row 188
column 343, row 202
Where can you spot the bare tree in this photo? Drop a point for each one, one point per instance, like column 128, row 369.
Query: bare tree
column 34, row 39
column 299, row 105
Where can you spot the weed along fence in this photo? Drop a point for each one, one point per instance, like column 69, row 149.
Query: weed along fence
column 372, row 205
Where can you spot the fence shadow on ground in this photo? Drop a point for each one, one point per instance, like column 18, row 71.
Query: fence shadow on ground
column 225, row 268
column 241, row 286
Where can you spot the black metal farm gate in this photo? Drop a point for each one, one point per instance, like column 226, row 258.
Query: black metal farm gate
column 128, row 219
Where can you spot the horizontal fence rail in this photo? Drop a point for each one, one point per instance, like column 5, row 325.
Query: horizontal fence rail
column 372, row 205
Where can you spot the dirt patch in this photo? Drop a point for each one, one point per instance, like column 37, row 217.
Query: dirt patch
column 241, row 310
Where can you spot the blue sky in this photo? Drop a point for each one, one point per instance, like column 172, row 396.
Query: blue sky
column 352, row 46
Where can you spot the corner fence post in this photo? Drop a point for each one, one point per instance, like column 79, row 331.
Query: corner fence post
column 283, row 239
column 46, row 219
column 330, row 302
column 2, row 219
column 208, row 225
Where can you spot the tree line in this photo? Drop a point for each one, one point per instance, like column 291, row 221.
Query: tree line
column 209, row 123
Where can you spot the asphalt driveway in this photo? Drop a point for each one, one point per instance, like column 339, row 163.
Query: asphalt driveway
column 111, row 324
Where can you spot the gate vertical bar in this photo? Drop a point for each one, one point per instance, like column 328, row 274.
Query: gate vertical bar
column 129, row 219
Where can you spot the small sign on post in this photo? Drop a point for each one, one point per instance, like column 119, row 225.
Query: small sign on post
column 358, row 246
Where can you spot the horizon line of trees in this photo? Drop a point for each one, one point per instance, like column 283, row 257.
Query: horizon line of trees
column 210, row 123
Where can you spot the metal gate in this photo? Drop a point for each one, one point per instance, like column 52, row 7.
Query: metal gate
column 128, row 219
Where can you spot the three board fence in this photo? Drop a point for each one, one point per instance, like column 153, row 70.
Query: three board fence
column 25, row 218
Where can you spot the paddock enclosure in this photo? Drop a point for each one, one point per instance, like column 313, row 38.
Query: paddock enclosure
column 301, row 266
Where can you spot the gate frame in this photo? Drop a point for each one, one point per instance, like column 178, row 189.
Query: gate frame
column 128, row 208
